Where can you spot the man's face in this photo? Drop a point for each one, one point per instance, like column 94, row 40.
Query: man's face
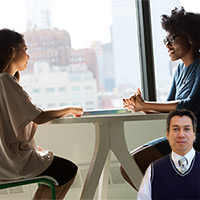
column 181, row 135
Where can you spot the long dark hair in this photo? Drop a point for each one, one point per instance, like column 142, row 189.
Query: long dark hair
column 9, row 40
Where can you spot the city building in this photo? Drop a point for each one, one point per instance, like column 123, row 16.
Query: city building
column 97, row 48
column 125, row 43
column 104, row 54
column 53, row 87
column 85, row 57
column 39, row 14
column 109, row 73
column 52, row 46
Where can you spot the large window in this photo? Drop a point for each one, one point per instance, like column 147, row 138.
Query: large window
column 164, row 68
column 82, row 51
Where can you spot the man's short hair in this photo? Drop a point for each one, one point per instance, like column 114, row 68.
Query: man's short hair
column 182, row 112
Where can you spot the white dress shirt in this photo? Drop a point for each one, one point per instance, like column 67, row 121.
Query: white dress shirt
column 145, row 187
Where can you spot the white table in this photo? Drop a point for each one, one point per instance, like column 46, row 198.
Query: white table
column 109, row 130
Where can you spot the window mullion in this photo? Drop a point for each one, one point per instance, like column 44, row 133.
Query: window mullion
column 146, row 49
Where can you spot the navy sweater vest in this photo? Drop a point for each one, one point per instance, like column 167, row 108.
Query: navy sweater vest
column 169, row 184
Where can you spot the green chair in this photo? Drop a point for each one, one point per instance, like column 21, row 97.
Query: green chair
column 41, row 180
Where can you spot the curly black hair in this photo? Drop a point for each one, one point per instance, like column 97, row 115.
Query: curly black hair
column 183, row 23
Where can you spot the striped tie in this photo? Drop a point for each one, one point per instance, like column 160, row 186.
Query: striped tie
column 183, row 165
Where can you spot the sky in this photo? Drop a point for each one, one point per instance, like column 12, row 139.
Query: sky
column 83, row 22
column 78, row 18
column 191, row 5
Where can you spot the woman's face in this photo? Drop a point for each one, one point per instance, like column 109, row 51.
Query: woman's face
column 178, row 47
column 21, row 57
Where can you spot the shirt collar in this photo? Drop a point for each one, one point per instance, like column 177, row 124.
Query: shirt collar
column 190, row 155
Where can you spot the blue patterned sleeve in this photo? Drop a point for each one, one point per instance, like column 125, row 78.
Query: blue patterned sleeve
column 172, row 92
column 192, row 102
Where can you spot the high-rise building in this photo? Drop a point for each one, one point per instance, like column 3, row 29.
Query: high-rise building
column 86, row 56
column 125, row 43
column 104, row 54
column 39, row 14
column 52, row 46
column 51, row 87
column 97, row 48
column 109, row 73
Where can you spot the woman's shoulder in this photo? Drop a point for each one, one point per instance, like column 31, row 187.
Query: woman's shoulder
column 5, row 77
column 10, row 83
column 7, row 82
column 179, row 68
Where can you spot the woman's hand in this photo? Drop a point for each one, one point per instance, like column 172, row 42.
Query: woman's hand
column 77, row 111
column 139, row 101
column 135, row 102
column 129, row 103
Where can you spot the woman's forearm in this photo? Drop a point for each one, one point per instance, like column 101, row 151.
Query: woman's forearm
column 150, row 111
column 159, row 107
column 46, row 116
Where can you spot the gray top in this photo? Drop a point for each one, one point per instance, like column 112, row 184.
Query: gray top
column 20, row 157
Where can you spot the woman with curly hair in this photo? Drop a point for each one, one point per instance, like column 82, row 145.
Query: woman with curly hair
column 20, row 156
column 182, row 42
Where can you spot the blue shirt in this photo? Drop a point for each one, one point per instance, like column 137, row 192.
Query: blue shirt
column 186, row 87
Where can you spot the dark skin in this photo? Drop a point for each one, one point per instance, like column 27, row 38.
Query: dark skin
column 182, row 48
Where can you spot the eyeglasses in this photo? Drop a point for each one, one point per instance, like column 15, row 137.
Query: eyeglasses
column 170, row 39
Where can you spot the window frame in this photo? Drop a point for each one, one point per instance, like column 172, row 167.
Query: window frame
column 146, row 57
